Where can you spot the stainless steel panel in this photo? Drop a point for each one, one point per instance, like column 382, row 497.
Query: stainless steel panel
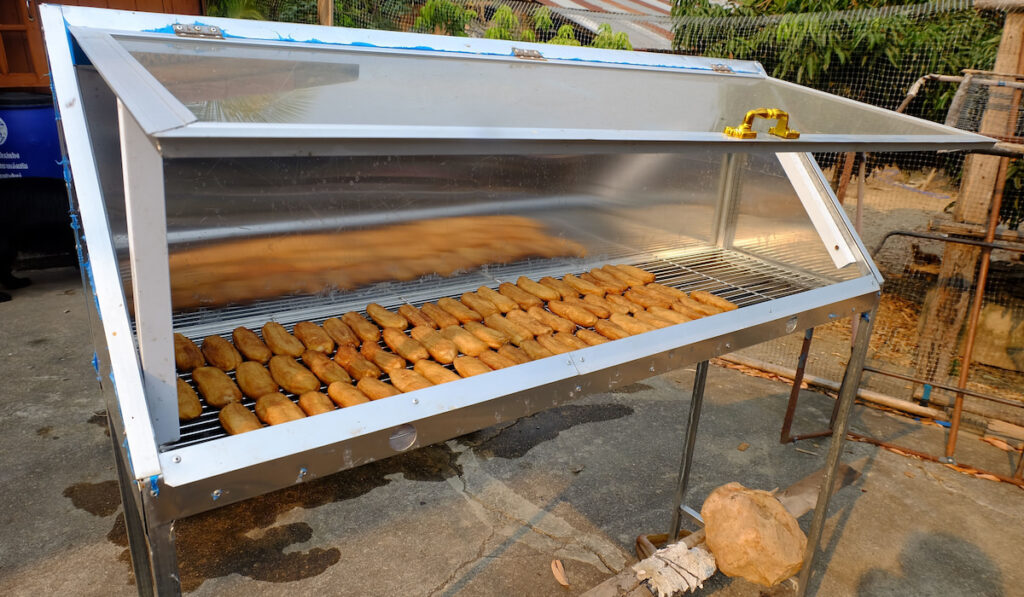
column 630, row 206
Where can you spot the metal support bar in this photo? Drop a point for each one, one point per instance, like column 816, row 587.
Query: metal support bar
column 947, row 239
column 975, row 313
column 728, row 198
column 1016, row 480
column 696, row 400
column 146, row 215
column 133, row 522
column 943, row 386
column 794, row 394
column 164, row 560
column 847, row 394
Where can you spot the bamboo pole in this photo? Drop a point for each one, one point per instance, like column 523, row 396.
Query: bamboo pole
column 325, row 12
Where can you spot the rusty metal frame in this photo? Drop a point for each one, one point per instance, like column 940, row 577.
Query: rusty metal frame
column 960, row 390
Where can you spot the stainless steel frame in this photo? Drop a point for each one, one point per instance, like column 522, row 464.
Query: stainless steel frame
column 169, row 471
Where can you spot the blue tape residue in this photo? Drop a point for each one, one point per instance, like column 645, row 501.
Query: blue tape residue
column 154, row 487
column 170, row 30
column 96, row 365
column 127, row 452
column 945, row 424
column 926, row 395
column 66, row 167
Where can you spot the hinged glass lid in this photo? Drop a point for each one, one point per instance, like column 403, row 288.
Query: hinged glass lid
column 252, row 83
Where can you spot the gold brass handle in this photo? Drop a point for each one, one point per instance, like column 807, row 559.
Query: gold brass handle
column 781, row 128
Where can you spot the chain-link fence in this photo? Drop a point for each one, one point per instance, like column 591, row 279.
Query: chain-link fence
column 874, row 56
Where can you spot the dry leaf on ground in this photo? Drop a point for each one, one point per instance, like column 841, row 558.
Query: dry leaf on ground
column 559, row 571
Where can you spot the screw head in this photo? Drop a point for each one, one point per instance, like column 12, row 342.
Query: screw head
column 415, row 400
column 176, row 459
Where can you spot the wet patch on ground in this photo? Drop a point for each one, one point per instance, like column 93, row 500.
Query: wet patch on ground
column 99, row 499
column 242, row 539
column 516, row 439
column 99, row 418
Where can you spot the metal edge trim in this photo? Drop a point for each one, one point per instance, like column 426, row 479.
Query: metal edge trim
column 150, row 103
column 102, row 264
column 935, row 126
column 837, row 209
column 142, row 22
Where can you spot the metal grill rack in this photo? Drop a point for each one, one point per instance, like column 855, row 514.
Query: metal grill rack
column 740, row 278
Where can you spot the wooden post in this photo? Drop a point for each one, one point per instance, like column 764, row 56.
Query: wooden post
column 946, row 304
column 325, row 12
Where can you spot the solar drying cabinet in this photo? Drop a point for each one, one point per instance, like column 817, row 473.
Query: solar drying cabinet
column 183, row 133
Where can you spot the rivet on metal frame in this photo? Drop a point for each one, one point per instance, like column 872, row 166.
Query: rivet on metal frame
column 176, row 459
column 415, row 400
column 215, row 494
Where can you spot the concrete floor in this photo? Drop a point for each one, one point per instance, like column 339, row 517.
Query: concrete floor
column 484, row 514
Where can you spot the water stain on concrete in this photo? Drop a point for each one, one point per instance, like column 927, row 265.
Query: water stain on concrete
column 242, row 538
column 516, row 439
column 99, row 418
column 99, row 499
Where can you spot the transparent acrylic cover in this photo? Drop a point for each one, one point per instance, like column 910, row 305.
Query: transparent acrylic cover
column 291, row 89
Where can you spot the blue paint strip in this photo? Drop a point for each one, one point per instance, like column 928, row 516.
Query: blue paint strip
column 124, row 444
column 154, row 487
column 926, row 396
column 96, row 365
column 170, row 30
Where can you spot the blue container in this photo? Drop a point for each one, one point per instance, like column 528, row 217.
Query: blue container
column 29, row 146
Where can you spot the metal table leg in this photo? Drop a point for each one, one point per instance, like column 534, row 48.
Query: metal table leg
column 847, row 394
column 696, row 400
column 164, row 560
column 133, row 521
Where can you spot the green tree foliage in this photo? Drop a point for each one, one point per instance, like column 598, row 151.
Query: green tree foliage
column 852, row 54
column 504, row 25
column 443, row 17
column 234, row 9
column 608, row 40
column 565, row 36
column 542, row 20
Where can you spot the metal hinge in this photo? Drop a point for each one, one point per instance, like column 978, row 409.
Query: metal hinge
column 722, row 68
column 204, row 31
column 527, row 54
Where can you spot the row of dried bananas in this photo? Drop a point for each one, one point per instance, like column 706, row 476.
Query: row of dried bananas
column 482, row 331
